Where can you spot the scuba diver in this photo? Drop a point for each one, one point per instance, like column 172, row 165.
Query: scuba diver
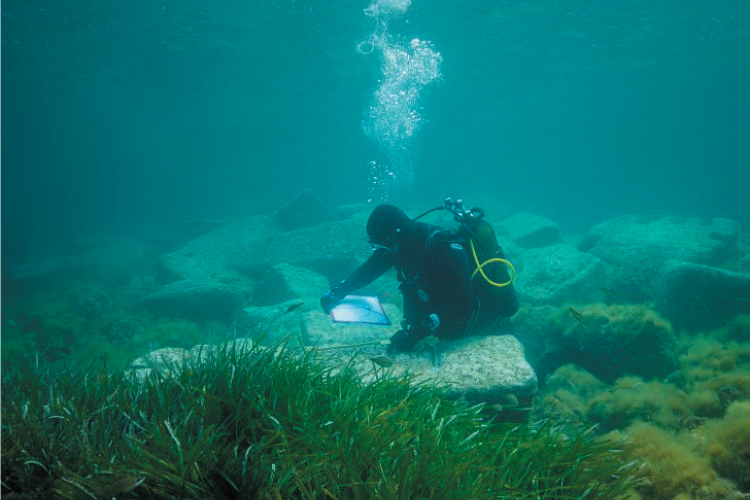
column 450, row 289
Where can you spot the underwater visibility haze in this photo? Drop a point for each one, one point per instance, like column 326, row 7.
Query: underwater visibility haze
column 182, row 181
column 124, row 114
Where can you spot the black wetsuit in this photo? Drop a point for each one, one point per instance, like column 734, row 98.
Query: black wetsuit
column 433, row 268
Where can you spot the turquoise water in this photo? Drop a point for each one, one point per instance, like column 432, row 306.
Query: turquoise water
column 126, row 114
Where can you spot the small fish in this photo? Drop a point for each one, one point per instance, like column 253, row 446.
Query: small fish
column 294, row 306
column 576, row 314
column 123, row 484
column 382, row 360
column 606, row 291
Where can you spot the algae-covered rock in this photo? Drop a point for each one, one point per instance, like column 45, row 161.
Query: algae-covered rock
column 728, row 444
column 674, row 468
column 631, row 339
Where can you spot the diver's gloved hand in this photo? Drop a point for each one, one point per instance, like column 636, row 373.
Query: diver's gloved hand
column 401, row 341
column 332, row 299
column 328, row 302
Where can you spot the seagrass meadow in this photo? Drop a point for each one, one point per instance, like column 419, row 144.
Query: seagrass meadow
column 273, row 424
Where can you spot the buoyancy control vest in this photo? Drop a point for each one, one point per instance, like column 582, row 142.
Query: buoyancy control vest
column 492, row 274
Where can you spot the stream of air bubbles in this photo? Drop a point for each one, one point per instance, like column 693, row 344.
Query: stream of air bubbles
column 393, row 117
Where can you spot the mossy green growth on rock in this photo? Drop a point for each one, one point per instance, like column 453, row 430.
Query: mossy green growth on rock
column 674, row 467
column 722, row 368
column 272, row 424
column 631, row 338
column 728, row 444
column 170, row 332
column 632, row 399
column 737, row 329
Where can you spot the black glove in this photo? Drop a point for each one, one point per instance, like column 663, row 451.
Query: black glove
column 329, row 301
column 332, row 298
column 401, row 341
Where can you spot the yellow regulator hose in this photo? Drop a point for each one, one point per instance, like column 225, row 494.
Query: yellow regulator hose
column 480, row 267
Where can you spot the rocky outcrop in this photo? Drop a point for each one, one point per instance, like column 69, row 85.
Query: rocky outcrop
column 489, row 370
column 304, row 210
column 216, row 254
column 554, row 275
column 284, row 282
column 695, row 297
column 529, row 230
column 638, row 247
column 113, row 261
column 197, row 300
column 630, row 339
column 249, row 247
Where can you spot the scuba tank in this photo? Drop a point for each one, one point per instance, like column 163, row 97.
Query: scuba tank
column 492, row 274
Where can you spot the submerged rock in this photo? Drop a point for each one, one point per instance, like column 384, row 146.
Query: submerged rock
column 529, row 230
column 696, row 297
column 557, row 274
column 304, row 210
column 217, row 253
column 284, row 282
column 103, row 261
column 198, row 300
column 629, row 339
column 490, row 370
column 638, row 247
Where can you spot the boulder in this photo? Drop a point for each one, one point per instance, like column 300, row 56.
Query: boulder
column 554, row 275
column 89, row 301
column 638, row 247
column 478, row 369
column 197, row 300
column 695, row 297
column 489, row 370
column 304, row 210
column 332, row 249
column 627, row 339
column 114, row 261
column 216, row 254
column 482, row 369
column 46, row 270
column 744, row 263
column 284, row 282
column 248, row 248
column 170, row 360
column 529, row 230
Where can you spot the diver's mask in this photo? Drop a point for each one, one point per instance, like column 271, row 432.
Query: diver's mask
column 387, row 243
